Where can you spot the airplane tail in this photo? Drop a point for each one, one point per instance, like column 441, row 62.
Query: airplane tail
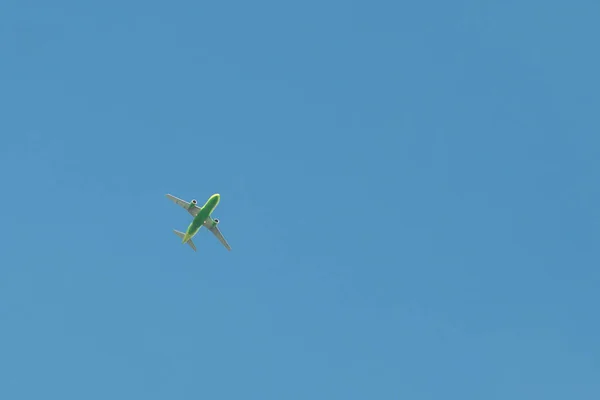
column 182, row 235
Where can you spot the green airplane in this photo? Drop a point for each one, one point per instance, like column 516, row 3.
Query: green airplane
column 201, row 218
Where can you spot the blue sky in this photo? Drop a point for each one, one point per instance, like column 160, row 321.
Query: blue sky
column 410, row 190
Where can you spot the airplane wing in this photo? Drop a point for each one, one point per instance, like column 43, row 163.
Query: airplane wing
column 211, row 226
column 189, row 207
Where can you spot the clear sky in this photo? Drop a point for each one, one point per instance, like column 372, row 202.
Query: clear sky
column 410, row 190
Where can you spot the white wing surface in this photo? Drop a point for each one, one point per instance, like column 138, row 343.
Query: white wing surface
column 213, row 227
column 189, row 207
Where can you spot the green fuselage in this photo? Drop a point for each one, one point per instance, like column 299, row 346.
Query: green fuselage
column 202, row 216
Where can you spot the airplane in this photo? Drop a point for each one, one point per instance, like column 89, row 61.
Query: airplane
column 201, row 218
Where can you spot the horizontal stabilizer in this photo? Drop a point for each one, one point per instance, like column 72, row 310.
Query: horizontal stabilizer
column 182, row 235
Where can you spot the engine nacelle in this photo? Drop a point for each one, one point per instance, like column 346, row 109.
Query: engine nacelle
column 216, row 222
column 192, row 204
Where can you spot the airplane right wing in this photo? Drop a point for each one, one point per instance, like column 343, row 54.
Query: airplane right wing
column 213, row 227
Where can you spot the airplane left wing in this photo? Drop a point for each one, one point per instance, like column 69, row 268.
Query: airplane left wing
column 213, row 227
column 189, row 207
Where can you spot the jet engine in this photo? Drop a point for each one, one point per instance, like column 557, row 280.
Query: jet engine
column 192, row 204
column 216, row 221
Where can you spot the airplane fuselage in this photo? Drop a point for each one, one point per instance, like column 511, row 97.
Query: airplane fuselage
column 202, row 216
